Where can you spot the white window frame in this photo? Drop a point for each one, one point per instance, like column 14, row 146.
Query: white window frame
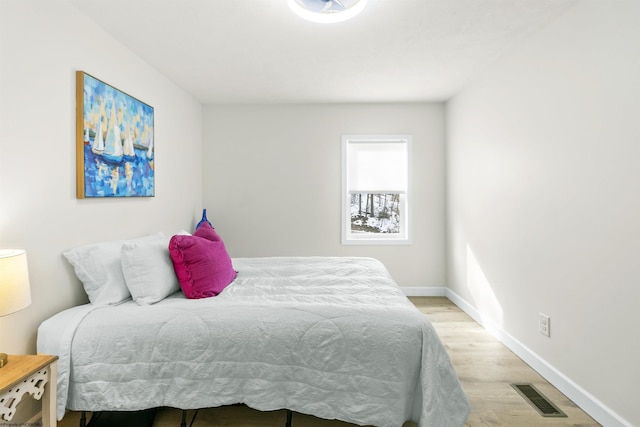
column 404, row 236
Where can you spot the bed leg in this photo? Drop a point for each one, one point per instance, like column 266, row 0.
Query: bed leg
column 83, row 419
column 184, row 418
column 288, row 418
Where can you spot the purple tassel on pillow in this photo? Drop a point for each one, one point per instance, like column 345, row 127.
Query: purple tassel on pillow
column 204, row 219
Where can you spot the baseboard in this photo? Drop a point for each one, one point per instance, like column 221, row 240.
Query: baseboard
column 587, row 402
column 424, row 291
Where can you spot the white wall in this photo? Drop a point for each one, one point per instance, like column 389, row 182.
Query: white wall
column 544, row 200
column 43, row 43
column 272, row 177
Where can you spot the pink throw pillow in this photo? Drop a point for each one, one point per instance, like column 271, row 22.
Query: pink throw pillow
column 203, row 266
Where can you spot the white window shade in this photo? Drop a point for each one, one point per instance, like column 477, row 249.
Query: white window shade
column 377, row 167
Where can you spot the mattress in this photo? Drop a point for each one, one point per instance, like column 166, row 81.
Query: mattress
column 332, row 337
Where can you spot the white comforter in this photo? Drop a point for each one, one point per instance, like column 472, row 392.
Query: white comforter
column 331, row 337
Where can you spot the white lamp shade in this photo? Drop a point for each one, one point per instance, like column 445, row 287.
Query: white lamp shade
column 377, row 167
column 15, row 293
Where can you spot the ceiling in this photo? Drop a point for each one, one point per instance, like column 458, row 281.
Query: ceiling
column 258, row 51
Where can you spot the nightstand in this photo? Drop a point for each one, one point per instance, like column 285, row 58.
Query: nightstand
column 36, row 375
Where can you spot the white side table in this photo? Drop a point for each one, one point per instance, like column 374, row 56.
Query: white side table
column 29, row 374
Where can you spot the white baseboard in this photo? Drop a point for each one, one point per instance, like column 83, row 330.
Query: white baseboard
column 587, row 402
column 424, row 291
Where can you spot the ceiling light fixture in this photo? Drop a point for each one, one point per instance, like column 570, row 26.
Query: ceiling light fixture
column 327, row 11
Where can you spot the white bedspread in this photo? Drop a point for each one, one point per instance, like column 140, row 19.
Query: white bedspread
column 331, row 337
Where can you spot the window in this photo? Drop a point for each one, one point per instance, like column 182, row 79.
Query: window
column 375, row 189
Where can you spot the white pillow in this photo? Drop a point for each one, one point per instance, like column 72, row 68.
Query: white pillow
column 99, row 269
column 148, row 270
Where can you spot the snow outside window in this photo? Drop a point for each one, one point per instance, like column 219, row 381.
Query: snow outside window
column 375, row 189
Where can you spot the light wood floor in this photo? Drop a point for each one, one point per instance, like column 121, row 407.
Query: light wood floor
column 485, row 366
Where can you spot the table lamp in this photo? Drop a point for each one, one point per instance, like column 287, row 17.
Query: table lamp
column 14, row 285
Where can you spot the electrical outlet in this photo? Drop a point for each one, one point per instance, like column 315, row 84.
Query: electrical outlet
column 545, row 325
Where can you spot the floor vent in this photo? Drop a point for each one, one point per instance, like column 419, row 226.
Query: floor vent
column 538, row 400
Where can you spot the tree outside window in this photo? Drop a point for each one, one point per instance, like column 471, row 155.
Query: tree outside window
column 375, row 213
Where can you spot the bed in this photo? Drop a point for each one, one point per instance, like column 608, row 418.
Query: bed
column 332, row 337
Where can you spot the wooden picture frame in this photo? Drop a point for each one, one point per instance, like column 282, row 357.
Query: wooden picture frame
column 115, row 147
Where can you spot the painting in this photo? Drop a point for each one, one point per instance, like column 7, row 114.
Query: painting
column 115, row 142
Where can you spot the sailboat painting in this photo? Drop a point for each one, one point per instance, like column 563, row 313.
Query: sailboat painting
column 115, row 153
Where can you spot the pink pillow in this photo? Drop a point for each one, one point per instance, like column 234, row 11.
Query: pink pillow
column 203, row 266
